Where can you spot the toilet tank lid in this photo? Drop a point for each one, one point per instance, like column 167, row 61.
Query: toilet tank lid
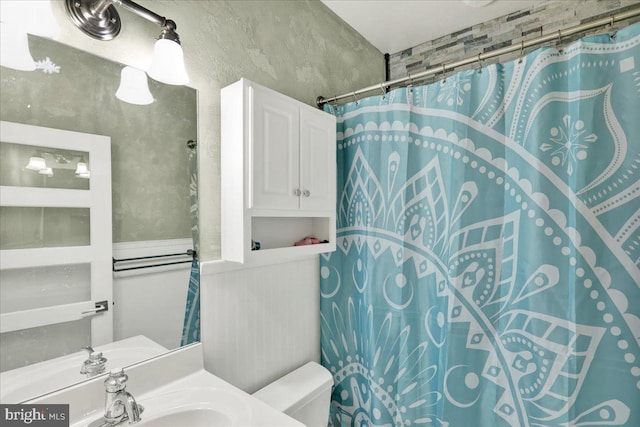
column 296, row 388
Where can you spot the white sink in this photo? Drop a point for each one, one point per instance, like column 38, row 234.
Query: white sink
column 196, row 407
column 192, row 418
column 175, row 390
column 20, row 384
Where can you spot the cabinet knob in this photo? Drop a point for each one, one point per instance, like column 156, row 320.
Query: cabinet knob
column 306, row 193
column 296, row 192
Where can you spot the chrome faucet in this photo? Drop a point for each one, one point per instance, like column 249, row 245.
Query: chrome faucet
column 120, row 406
column 95, row 364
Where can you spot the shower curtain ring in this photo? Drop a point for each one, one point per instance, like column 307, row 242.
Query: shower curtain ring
column 521, row 51
column 355, row 97
column 382, row 90
column 480, row 63
column 444, row 80
column 613, row 33
column 560, row 41
column 410, row 85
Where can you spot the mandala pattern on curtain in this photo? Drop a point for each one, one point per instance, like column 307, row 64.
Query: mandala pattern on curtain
column 487, row 271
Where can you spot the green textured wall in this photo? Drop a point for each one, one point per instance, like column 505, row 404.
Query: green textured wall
column 150, row 178
column 297, row 47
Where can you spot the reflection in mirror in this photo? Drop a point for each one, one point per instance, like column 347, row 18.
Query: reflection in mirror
column 36, row 164
column 152, row 204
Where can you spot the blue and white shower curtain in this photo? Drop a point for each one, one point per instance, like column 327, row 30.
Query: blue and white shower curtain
column 191, row 325
column 488, row 263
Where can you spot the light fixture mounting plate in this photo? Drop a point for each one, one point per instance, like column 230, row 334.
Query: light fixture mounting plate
column 102, row 26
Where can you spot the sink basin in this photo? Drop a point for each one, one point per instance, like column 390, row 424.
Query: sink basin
column 196, row 407
column 193, row 418
column 25, row 383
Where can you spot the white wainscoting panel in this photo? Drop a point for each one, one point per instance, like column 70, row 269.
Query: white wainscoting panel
column 259, row 323
column 151, row 301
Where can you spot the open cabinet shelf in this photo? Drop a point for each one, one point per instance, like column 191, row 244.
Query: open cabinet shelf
column 277, row 236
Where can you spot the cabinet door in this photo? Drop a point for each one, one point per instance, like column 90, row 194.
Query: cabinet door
column 317, row 160
column 274, row 152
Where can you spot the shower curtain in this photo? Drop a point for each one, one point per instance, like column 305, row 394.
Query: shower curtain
column 191, row 327
column 488, row 249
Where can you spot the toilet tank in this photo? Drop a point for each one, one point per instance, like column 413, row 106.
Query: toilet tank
column 304, row 394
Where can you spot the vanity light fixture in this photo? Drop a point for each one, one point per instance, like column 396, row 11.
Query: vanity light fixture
column 82, row 171
column 17, row 18
column 36, row 164
column 46, row 172
column 168, row 60
column 81, row 168
column 99, row 19
column 134, row 88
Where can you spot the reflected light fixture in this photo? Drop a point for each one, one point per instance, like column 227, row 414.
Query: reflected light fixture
column 99, row 19
column 17, row 18
column 46, row 172
column 63, row 159
column 81, row 168
column 134, row 88
column 82, row 171
column 36, row 164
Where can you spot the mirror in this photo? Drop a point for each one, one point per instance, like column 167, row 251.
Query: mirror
column 152, row 181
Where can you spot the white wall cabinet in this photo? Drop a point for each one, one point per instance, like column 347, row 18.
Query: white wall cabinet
column 278, row 175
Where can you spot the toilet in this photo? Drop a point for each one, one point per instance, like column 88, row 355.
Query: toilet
column 304, row 394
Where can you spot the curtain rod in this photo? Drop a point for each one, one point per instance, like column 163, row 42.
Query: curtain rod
column 320, row 101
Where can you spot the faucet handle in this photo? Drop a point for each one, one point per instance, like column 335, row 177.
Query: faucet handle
column 95, row 364
column 97, row 356
column 116, row 381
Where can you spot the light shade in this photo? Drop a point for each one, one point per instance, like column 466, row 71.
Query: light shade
column 31, row 16
column 46, row 172
column 42, row 22
column 167, row 65
column 14, row 48
column 81, row 168
column 134, row 88
column 36, row 164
